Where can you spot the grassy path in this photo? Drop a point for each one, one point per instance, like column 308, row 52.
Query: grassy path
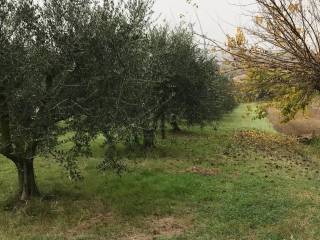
column 231, row 184
column 242, row 118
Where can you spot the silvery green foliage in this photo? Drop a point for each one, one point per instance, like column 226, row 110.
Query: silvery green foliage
column 71, row 70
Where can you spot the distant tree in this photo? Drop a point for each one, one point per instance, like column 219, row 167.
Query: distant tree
column 190, row 86
column 160, row 73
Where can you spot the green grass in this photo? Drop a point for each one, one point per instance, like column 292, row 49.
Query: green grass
column 243, row 117
column 225, row 184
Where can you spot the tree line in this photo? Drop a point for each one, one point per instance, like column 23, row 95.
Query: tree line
column 71, row 70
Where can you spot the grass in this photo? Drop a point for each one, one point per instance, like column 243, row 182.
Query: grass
column 242, row 181
column 243, row 117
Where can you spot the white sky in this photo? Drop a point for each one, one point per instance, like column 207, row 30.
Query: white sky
column 217, row 17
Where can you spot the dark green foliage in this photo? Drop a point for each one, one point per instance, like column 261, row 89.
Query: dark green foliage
column 190, row 86
column 73, row 70
column 70, row 70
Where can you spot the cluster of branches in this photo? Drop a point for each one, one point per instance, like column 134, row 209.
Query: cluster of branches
column 282, row 54
column 71, row 70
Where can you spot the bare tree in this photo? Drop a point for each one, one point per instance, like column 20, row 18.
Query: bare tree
column 284, row 46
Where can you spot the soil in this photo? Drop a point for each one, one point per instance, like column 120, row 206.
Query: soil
column 204, row 171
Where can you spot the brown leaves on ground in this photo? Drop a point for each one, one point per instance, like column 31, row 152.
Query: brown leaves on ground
column 265, row 142
column 279, row 152
column 204, row 171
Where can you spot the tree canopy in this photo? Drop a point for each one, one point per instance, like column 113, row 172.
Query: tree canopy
column 71, row 70
column 190, row 86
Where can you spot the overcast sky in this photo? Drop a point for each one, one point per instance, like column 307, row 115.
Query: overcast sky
column 217, row 17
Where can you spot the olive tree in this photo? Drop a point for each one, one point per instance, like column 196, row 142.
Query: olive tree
column 69, row 70
column 26, row 102
column 190, row 86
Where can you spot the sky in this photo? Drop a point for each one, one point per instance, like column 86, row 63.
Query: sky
column 214, row 18
column 217, row 17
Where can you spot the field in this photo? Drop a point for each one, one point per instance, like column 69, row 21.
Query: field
column 237, row 180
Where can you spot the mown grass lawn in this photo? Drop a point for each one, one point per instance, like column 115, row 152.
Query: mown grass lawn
column 242, row 181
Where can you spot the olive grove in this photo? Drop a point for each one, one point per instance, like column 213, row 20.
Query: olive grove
column 73, row 70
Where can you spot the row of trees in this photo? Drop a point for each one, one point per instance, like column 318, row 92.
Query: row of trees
column 189, row 85
column 73, row 69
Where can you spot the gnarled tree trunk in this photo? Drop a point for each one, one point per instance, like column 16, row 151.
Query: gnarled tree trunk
column 26, row 176
column 163, row 126
column 174, row 123
column 149, row 138
column 26, row 179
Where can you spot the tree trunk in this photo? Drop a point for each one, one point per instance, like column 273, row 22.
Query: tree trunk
column 149, row 138
column 163, row 127
column 174, row 124
column 26, row 178
column 20, row 178
column 175, row 127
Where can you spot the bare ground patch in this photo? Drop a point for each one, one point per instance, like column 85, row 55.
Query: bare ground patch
column 166, row 227
column 170, row 226
column 87, row 224
column 204, row 171
column 137, row 236
column 307, row 195
column 151, row 228
column 304, row 125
